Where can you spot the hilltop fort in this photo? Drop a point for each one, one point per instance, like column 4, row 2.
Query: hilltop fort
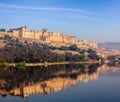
column 52, row 38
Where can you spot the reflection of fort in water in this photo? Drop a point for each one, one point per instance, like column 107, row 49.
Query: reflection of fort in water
column 56, row 84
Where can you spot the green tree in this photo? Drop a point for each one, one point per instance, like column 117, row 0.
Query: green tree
column 73, row 47
column 2, row 30
column 7, row 37
column 82, row 58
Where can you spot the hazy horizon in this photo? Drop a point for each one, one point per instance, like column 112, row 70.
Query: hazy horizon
column 94, row 20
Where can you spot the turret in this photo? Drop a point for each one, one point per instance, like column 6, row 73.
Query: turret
column 45, row 30
column 24, row 28
column 45, row 33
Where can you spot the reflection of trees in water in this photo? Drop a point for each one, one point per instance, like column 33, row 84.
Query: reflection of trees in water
column 14, row 77
column 93, row 68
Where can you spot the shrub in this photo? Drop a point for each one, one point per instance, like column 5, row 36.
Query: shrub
column 3, row 66
column 21, row 65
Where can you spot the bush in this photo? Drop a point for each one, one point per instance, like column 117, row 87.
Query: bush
column 3, row 66
column 63, row 48
column 82, row 58
column 21, row 65
column 111, row 59
column 82, row 51
column 73, row 47
column 7, row 37
column 2, row 30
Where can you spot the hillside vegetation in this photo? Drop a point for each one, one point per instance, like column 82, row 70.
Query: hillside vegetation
column 19, row 51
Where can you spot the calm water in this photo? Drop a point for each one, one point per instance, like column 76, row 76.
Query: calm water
column 65, row 83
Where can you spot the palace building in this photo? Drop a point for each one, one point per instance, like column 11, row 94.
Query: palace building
column 52, row 38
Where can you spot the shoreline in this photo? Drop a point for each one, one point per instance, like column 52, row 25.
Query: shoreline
column 53, row 63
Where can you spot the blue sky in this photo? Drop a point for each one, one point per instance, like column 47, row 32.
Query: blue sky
column 94, row 20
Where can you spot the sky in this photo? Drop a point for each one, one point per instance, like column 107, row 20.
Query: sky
column 93, row 20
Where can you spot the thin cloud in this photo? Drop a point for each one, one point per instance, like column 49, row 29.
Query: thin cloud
column 68, row 12
column 47, row 9
column 4, row 10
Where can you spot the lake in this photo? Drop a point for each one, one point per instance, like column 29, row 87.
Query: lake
column 61, row 83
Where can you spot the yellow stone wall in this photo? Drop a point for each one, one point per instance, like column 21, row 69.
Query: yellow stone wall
column 69, row 39
column 55, row 38
column 16, row 33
